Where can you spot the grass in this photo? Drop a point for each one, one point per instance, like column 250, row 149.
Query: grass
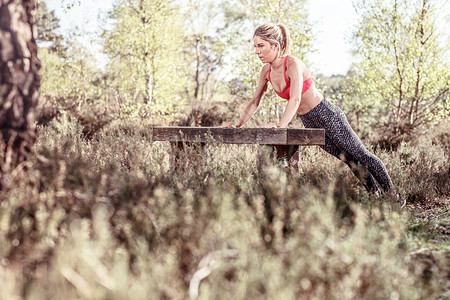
column 110, row 217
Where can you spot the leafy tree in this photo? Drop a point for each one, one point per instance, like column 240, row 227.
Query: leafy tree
column 19, row 80
column 401, row 64
column 205, row 49
column 145, row 50
column 70, row 76
column 70, row 82
column 47, row 25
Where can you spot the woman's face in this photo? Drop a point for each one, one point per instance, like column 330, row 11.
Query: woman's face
column 265, row 51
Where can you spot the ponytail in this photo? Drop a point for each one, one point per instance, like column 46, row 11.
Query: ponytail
column 285, row 47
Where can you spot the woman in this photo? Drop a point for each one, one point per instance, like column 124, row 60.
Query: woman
column 291, row 80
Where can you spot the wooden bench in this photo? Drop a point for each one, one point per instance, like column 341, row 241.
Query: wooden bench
column 279, row 138
column 261, row 136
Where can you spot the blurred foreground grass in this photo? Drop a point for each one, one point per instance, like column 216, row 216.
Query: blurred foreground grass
column 110, row 218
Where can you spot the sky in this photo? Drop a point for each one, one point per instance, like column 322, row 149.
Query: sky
column 332, row 19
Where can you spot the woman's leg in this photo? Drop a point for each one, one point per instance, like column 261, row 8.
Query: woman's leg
column 341, row 139
column 360, row 171
column 343, row 136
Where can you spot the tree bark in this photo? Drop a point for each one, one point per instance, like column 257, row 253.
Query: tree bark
column 19, row 80
column 197, row 67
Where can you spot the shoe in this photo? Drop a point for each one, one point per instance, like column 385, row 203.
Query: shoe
column 283, row 162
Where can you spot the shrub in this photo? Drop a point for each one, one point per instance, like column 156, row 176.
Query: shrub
column 111, row 218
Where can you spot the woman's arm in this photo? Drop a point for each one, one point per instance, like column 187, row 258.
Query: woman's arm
column 295, row 76
column 256, row 99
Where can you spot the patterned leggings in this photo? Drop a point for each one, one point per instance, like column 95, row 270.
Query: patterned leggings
column 342, row 142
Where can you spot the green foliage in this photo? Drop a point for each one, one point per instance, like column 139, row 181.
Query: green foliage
column 146, row 64
column 205, row 49
column 111, row 218
column 70, row 76
column 47, row 25
column 401, row 67
column 69, row 81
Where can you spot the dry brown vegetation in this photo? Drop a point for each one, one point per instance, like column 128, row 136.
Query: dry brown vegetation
column 106, row 216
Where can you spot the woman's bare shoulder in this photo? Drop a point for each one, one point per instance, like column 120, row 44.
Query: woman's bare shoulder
column 293, row 60
column 265, row 71
column 294, row 63
column 265, row 68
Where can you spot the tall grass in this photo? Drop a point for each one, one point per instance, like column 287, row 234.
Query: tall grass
column 115, row 217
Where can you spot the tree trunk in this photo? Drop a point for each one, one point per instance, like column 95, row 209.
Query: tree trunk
column 197, row 68
column 420, row 33
column 19, row 80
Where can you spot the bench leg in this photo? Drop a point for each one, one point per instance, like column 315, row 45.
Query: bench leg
column 282, row 151
column 294, row 161
column 289, row 153
column 177, row 150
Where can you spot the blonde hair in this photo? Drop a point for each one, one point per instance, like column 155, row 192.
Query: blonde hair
column 275, row 34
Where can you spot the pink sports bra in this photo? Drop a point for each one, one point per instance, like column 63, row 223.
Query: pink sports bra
column 286, row 93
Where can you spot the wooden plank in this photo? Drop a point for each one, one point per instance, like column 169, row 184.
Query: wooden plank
column 306, row 136
column 224, row 135
column 262, row 136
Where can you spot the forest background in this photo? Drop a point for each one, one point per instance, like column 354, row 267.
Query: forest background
column 99, row 212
